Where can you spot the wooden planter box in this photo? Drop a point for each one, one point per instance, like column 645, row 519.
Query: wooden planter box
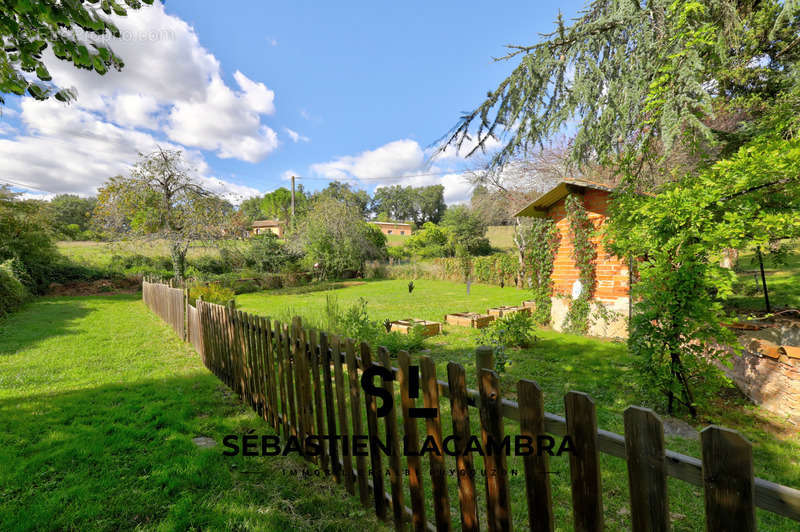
column 499, row 312
column 469, row 319
column 529, row 304
column 429, row 328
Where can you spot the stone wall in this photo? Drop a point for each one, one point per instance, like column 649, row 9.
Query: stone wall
column 769, row 374
column 615, row 327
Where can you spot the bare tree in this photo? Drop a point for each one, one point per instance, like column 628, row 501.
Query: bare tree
column 161, row 198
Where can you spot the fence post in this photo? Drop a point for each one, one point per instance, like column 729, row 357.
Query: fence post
column 430, row 396
column 459, row 410
column 537, row 464
column 484, row 358
column 497, row 496
column 392, row 440
column 376, row 463
column 355, row 410
column 412, row 447
column 647, row 474
column 728, row 480
column 584, row 467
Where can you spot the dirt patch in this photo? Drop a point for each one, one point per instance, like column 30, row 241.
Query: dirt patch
column 100, row 286
column 680, row 428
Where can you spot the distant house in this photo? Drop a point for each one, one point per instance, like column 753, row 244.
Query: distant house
column 261, row 227
column 393, row 228
column 612, row 287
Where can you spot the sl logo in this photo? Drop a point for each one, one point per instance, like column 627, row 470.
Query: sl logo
column 367, row 379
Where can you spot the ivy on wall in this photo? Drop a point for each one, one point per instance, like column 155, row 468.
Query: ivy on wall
column 583, row 253
column 543, row 238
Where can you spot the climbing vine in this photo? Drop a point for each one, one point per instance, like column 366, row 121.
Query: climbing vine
column 541, row 252
column 583, row 253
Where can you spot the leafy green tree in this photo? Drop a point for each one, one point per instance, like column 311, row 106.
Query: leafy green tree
column 268, row 254
column 69, row 209
column 277, row 205
column 25, row 242
column 161, row 198
column 28, row 28
column 430, row 241
column 335, row 238
column 417, row 204
column 643, row 80
column 467, row 229
column 343, row 193
column 251, row 208
column 751, row 198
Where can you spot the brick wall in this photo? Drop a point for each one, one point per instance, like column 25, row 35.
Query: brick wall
column 769, row 375
column 612, row 285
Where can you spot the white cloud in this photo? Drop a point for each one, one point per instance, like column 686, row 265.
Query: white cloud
column 273, row 41
column 401, row 162
column 295, row 136
column 171, row 92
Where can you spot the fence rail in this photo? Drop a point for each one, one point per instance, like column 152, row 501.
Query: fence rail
column 304, row 382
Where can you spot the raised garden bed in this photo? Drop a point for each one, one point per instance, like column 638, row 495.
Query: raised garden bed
column 499, row 312
column 469, row 319
column 529, row 304
column 429, row 328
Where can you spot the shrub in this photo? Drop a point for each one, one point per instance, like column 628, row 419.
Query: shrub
column 207, row 265
column 355, row 323
column 65, row 271
column 12, row 292
column 267, row 254
column 513, row 330
column 212, row 293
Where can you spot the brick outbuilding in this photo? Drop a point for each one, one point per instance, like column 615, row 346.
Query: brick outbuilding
column 612, row 288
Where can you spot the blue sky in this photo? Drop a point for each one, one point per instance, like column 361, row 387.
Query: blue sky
column 257, row 91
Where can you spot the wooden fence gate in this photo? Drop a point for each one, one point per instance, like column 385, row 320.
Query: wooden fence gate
column 307, row 383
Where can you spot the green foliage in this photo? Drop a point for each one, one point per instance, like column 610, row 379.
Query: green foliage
column 418, row 204
column 25, row 240
column 336, row 239
column 750, row 198
column 162, row 198
column 467, row 229
column 70, row 214
column 267, row 254
column 639, row 78
column 212, row 293
column 354, row 322
column 28, row 28
column 277, row 205
column 357, row 200
column 12, row 292
column 542, row 244
column 511, row 331
column 430, row 241
column 584, row 254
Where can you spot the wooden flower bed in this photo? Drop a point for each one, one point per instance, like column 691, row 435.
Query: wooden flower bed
column 529, row 304
column 499, row 312
column 429, row 328
column 469, row 319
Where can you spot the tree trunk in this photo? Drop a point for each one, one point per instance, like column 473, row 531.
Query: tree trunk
column 179, row 260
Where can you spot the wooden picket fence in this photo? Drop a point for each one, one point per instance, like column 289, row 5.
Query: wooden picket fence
column 299, row 381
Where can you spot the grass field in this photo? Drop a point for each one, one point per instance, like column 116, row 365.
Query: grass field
column 501, row 236
column 99, row 254
column 559, row 363
column 99, row 402
column 783, row 283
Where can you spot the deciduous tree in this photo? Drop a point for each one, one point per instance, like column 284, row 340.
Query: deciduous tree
column 162, row 198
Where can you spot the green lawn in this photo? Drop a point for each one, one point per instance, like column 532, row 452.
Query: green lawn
column 783, row 283
column 98, row 254
column 501, row 236
column 559, row 363
column 99, row 402
column 396, row 240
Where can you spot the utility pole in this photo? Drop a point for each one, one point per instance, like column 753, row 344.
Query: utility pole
column 763, row 279
column 292, row 199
